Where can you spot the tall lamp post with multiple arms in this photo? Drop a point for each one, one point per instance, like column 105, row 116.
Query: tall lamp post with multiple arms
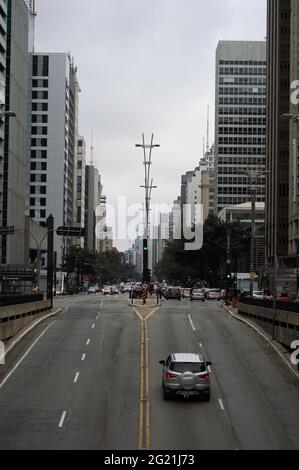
column 148, row 187
column 253, row 176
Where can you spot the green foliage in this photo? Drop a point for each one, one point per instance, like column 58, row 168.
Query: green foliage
column 207, row 263
column 105, row 267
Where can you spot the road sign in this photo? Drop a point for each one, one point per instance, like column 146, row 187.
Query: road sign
column 70, row 232
column 7, row 230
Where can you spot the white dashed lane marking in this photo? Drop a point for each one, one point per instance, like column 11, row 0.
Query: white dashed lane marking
column 221, row 404
column 62, row 419
column 76, row 377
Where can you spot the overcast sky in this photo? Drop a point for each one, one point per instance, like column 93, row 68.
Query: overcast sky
column 145, row 66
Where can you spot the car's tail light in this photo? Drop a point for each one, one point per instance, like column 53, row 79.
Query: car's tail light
column 170, row 376
column 206, row 377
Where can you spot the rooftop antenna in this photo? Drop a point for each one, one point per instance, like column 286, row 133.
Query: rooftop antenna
column 33, row 14
column 208, row 130
column 91, row 150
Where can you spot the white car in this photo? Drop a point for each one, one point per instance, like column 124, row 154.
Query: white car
column 258, row 294
column 92, row 290
column 214, row 294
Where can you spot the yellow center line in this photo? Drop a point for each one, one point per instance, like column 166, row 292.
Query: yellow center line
column 144, row 401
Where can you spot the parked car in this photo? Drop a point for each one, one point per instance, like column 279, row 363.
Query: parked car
column 198, row 294
column 172, row 293
column 214, row 294
column 185, row 375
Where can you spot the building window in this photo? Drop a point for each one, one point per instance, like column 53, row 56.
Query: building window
column 42, row 214
column 32, row 189
column 32, row 214
column 32, row 201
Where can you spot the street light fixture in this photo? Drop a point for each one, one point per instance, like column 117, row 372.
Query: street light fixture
column 290, row 117
column 7, row 114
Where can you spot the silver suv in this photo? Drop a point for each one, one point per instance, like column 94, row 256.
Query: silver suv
column 186, row 375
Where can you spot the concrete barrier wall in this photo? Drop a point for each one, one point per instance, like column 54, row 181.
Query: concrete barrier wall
column 286, row 324
column 16, row 317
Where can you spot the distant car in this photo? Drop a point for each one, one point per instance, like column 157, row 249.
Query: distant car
column 106, row 290
column 198, row 294
column 258, row 295
column 284, row 298
column 172, row 293
column 186, row 375
column 127, row 288
column 92, row 290
column 113, row 290
column 214, row 294
column 186, row 293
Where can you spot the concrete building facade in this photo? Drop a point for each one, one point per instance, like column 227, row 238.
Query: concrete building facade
column 52, row 159
column 240, row 120
column 81, row 164
column 14, row 163
column 278, row 137
column 93, row 193
column 293, row 247
column 3, row 45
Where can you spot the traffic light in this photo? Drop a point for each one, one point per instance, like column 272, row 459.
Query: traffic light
column 148, row 275
column 145, row 245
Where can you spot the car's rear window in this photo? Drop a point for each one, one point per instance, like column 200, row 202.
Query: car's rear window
column 181, row 367
column 198, row 291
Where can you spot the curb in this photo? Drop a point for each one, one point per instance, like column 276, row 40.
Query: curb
column 265, row 337
column 30, row 328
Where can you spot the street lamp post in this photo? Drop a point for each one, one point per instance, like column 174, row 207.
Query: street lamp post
column 148, row 187
column 253, row 176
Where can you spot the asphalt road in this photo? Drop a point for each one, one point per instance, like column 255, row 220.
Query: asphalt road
column 79, row 385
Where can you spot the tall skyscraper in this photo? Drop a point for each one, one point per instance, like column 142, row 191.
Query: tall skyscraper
column 14, row 64
column 278, row 137
column 240, row 120
column 81, row 163
column 294, row 133
column 93, row 190
column 3, row 45
column 52, row 158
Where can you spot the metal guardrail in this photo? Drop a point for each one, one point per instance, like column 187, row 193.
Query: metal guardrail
column 8, row 300
column 287, row 306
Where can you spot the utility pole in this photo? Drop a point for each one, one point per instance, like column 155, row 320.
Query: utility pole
column 148, row 187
